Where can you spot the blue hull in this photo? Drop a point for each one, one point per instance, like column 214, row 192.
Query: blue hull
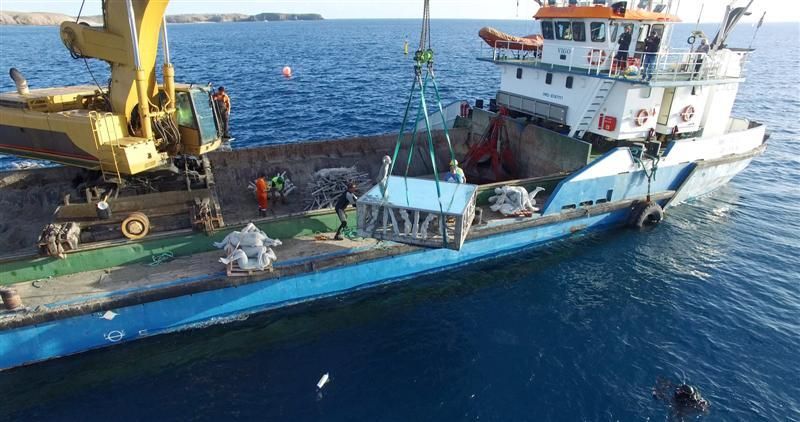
column 50, row 340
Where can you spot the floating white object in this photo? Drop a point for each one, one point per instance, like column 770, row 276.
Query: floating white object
column 109, row 315
column 323, row 380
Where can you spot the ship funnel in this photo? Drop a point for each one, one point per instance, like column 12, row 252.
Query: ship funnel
column 19, row 80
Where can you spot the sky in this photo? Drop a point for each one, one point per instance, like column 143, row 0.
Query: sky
column 777, row 10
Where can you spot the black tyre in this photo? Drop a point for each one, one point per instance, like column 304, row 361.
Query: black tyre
column 646, row 214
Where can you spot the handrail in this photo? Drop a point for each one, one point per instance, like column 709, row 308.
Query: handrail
column 669, row 65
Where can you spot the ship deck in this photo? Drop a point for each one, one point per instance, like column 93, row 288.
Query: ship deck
column 107, row 283
column 98, row 290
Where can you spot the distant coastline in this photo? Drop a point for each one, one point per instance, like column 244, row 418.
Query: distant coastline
column 48, row 19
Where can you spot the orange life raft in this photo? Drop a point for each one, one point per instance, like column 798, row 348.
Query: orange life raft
column 497, row 39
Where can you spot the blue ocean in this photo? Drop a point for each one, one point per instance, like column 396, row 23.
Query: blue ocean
column 579, row 330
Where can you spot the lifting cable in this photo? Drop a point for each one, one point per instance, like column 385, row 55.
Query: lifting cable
column 423, row 74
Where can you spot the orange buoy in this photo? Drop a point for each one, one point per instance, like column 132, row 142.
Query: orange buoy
column 287, row 71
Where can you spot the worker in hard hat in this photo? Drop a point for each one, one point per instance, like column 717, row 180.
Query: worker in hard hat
column 455, row 175
column 346, row 199
column 262, row 189
column 278, row 187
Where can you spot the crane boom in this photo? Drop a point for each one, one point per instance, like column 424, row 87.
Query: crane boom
column 137, row 124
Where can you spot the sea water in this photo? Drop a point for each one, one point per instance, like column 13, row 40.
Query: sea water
column 579, row 330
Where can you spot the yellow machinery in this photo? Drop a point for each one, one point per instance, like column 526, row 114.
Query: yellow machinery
column 134, row 126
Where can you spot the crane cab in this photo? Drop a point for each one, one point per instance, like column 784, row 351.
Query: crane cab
column 197, row 118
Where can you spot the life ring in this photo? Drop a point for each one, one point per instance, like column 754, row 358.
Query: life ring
column 135, row 226
column 687, row 114
column 645, row 214
column 596, row 57
column 641, row 117
column 691, row 39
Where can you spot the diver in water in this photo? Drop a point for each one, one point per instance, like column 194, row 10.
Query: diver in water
column 687, row 397
column 683, row 399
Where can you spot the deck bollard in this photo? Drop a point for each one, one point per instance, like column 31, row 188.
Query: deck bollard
column 11, row 299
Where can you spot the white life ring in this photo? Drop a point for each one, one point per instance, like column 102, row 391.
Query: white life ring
column 641, row 117
column 687, row 114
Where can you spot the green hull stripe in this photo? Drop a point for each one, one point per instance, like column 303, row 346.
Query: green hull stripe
column 142, row 252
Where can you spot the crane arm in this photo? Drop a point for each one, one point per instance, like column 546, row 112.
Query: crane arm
column 128, row 41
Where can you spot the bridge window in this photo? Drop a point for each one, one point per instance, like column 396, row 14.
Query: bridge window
column 519, row 73
column 548, row 79
column 563, row 30
column 547, row 30
column 569, row 81
column 578, row 31
column 598, row 31
column 644, row 31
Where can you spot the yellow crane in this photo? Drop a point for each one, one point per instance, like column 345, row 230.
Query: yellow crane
column 135, row 125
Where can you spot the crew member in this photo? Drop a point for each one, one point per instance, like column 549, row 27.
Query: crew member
column 702, row 50
column 278, row 186
column 347, row 198
column 262, row 188
column 651, row 46
column 224, row 107
column 624, row 42
column 455, row 175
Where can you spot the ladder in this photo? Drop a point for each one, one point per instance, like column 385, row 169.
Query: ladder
column 109, row 175
column 600, row 95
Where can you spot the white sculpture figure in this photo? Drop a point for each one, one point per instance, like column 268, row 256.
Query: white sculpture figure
column 383, row 175
column 531, row 197
column 250, row 236
column 249, row 248
column 425, row 223
column 406, row 221
column 513, row 199
column 263, row 258
column 373, row 218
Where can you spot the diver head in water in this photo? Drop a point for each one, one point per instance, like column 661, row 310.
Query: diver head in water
column 687, row 397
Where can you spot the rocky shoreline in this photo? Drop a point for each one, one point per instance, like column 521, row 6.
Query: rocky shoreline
column 46, row 19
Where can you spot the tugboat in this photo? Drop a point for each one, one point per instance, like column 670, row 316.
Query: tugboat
column 606, row 134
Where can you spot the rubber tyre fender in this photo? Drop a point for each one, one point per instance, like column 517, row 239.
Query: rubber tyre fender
column 647, row 214
column 135, row 226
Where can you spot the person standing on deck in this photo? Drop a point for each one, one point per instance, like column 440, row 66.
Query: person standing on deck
column 278, row 187
column 346, row 199
column 455, row 175
column 624, row 43
column 262, row 188
column 702, row 51
column 223, row 103
column 651, row 46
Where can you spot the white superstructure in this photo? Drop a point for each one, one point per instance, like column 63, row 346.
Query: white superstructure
column 584, row 81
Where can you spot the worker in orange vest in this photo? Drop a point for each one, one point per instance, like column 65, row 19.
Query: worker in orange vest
column 262, row 188
column 224, row 106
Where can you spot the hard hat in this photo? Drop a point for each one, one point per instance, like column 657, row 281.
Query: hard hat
column 454, row 163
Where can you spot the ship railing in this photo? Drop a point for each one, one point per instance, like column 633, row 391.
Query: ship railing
column 662, row 6
column 514, row 51
column 686, row 65
column 666, row 66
